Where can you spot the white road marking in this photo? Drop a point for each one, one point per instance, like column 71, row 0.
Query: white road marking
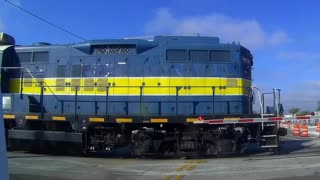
column 292, row 138
column 308, row 138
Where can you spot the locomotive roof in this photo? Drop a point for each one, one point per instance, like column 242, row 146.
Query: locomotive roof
column 140, row 40
column 140, row 44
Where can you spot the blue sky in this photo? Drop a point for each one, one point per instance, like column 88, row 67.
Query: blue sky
column 282, row 35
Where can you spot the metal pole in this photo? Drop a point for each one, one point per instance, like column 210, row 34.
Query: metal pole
column 177, row 94
column 127, row 107
column 76, row 102
column 278, row 101
column 107, row 99
column 141, row 90
column 279, row 94
column 41, row 100
column 96, row 107
column 275, row 102
column 249, row 101
column 213, row 99
column 262, row 99
column 62, row 106
column 159, row 107
column 21, row 84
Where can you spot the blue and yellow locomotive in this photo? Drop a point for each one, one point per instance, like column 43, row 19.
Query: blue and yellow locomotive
column 144, row 93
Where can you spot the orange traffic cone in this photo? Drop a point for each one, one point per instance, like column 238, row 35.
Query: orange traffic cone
column 296, row 131
column 304, row 131
column 318, row 127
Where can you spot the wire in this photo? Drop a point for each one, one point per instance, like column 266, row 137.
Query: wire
column 46, row 21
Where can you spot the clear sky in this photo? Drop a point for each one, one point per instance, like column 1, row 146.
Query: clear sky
column 282, row 35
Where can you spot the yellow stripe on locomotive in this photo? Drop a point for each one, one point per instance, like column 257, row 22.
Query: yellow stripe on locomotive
column 124, row 86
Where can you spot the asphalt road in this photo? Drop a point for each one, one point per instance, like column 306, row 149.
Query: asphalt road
column 299, row 158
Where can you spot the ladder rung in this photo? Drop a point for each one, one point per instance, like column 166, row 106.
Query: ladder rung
column 269, row 124
column 269, row 146
column 269, row 135
column 268, row 114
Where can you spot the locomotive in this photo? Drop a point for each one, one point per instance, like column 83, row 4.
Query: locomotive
column 145, row 94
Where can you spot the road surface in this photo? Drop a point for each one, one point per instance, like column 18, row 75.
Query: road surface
column 299, row 158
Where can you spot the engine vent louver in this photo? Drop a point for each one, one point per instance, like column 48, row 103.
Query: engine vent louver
column 114, row 49
column 102, row 84
column 60, row 83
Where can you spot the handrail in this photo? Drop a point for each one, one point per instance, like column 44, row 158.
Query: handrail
column 260, row 101
column 155, row 86
column 52, row 92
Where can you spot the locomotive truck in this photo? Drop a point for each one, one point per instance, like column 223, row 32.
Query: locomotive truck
column 151, row 95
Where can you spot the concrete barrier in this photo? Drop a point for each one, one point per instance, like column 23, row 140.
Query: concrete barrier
column 313, row 131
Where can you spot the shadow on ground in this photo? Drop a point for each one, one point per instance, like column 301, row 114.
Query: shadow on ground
column 33, row 177
column 287, row 146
